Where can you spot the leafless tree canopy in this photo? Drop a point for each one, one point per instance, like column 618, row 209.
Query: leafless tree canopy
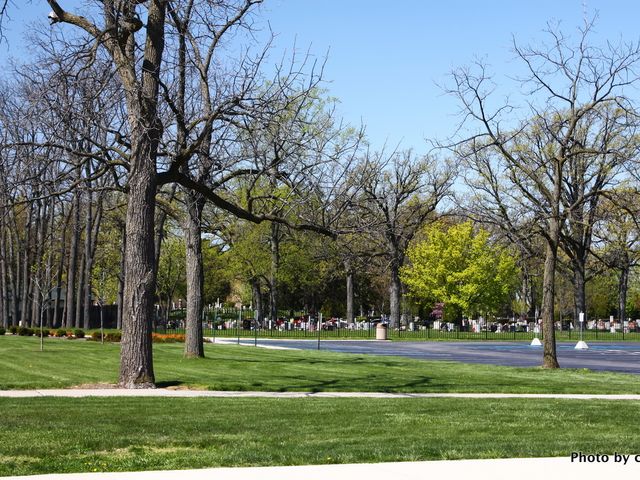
column 547, row 172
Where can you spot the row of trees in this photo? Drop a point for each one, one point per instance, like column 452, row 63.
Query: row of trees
column 145, row 127
column 127, row 120
column 544, row 170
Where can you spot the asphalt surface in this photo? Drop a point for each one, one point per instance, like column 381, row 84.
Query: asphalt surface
column 612, row 357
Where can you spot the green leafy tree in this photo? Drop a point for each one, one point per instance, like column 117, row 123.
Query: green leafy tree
column 460, row 267
column 171, row 281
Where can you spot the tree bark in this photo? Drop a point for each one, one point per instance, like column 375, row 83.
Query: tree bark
column 79, row 293
column 579, row 292
column 121, row 278
column 161, row 219
column 549, row 359
column 394, row 296
column 349, row 272
column 136, row 361
column 4, row 266
column 14, row 278
column 275, row 265
column 256, row 295
column 49, row 283
column 88, row 259
column 26, row 270
column 40, row 277
column 62, row 250
column 193, row 345
column 72, row 268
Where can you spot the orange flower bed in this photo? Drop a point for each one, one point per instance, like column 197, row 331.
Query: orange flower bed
column 167, row 337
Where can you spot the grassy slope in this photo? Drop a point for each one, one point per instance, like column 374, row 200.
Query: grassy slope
column 71, row 362
column 43, row 435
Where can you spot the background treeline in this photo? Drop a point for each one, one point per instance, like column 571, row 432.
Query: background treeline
column 171, row 162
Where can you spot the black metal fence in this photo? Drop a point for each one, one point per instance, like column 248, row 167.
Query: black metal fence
column 233, row 323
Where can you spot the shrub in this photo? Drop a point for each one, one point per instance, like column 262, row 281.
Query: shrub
column 95, row 335
column 78, row 333
column 2, row 331
column 45, row 332
column 13, row 329
column 113, row 337
column 25, row 331
column 61, row 332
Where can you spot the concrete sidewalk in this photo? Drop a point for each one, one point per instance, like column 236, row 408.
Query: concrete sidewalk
column 167, row 392
column 503, row 469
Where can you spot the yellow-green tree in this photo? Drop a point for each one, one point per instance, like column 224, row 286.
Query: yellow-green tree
column 460, row 266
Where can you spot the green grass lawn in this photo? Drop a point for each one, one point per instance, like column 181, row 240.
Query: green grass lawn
column 66, row 363
column 46, row 435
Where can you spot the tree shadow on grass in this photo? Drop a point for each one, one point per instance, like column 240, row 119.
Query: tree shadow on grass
column 169, row 383
column 419, row 384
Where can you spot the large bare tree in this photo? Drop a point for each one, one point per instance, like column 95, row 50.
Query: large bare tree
column 395, row 203
column 548, row 168
column 159, row 115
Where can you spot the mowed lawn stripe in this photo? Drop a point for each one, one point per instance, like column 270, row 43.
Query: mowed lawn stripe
column 67, row 363
column 45, row 435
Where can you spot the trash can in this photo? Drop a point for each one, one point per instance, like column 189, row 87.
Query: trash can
column 381, row 332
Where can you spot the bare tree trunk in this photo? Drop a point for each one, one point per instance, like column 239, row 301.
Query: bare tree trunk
column 623, row 286
column 579, row 285
column 549, row 359
column 36, row 304
column 256, row 295
column 63, row 249
column 136, row 360
column 349, row 271
column 91, row 240
column 26, row 270
column 14, row 278
column 394, row 296
column 49, row 266
column 161, row 218
column 121, row 277
column 4, row 310
column 275, row 265
column 87, row 263
column 79, row 293
column 193, row 345
column 72, row 268
column 4, row 307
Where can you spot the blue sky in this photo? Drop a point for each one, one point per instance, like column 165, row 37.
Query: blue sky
column 386, row 59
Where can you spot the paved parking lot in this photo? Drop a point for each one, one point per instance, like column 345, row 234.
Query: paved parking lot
column 614, row 357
